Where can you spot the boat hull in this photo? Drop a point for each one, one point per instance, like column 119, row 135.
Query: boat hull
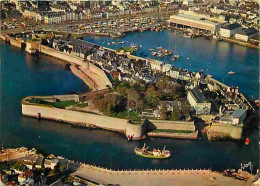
column 150, row 156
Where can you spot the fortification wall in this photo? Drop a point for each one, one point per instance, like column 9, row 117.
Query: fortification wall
column 61, row 55
column 135, row 130
column 90, row 82
column 193, row 135
column 83, row 119
column 101, row 73
column 32, row 46
column 16, row 43
column 74, row 97
column 172, row 125
column 222, row 131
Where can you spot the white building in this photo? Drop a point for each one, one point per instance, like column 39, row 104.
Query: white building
column 246, row 34
column 233, row 117
column 194, row 21
column 229, row 30
column 198, row 101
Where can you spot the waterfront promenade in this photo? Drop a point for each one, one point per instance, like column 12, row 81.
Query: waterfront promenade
column 156, row 177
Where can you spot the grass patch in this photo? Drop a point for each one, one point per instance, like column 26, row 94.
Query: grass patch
column 130, row 116
column 59, row 104
column 171, row 131
column 127, row 49
column 82, row 105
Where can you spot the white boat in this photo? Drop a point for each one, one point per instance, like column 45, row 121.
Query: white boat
column 160, row 55
column 231, row 72
column 151, row 49
column 154, row 53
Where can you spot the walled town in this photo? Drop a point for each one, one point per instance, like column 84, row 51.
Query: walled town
column 140, row 90
column 138, row 97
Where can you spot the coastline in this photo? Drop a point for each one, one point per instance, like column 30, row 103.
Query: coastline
column 103, row 175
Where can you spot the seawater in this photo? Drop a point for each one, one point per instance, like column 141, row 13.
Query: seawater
column 213, row 57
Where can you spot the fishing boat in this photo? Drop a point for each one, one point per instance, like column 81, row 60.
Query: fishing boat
column 156, row 153
column 135, row 46
column 231, row 72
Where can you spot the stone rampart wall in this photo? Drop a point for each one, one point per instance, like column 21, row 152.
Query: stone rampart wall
column 101, row 73
column 61, row 55
column 83, row 119
column 172, row 125
column 16, row 43
column 216, row 131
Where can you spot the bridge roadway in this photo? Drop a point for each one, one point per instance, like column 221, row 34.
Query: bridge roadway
column 156, row 177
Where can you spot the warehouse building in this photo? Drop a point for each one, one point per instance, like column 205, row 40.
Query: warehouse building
column 194, row 21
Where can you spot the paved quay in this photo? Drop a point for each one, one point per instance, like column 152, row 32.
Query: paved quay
column 157, row 177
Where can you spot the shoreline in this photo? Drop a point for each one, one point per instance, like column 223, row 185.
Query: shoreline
column 104, row 175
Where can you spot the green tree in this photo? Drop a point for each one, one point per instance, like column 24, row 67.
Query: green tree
column 163, row 111
column 176, row 114
column 151, row 97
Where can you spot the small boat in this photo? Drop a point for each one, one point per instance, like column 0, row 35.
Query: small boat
column 108, row 43
column 175, row 57
column 151, row 49
column 154, row 53
column 156, row 153
column 186, row 36
column 160, row 55
column 167, row 52
column 231, row 72
column 141, row 46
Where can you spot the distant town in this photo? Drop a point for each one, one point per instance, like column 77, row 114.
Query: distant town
column 137, row 96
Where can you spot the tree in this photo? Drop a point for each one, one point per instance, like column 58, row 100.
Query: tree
column 134, row 100
column 111, row 103
column 163, row 112
column 176, row 114
column 151, row 97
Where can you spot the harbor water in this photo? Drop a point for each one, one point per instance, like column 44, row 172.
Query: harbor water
column 213, row 57
column 23, row 75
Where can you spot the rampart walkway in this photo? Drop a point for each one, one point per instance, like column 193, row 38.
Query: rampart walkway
column 156, row 177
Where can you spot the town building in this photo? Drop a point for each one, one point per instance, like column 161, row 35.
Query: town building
column 230, row 29
column 233, row 117
column 246, row 34
column 198, row 101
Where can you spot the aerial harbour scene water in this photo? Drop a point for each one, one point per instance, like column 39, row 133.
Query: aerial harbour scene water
column 130, row 98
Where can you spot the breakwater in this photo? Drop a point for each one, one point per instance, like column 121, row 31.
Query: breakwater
column 152, row 177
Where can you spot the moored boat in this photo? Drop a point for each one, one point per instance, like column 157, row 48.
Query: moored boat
column 231, row 72
column 154, row 53
column 156, row 153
